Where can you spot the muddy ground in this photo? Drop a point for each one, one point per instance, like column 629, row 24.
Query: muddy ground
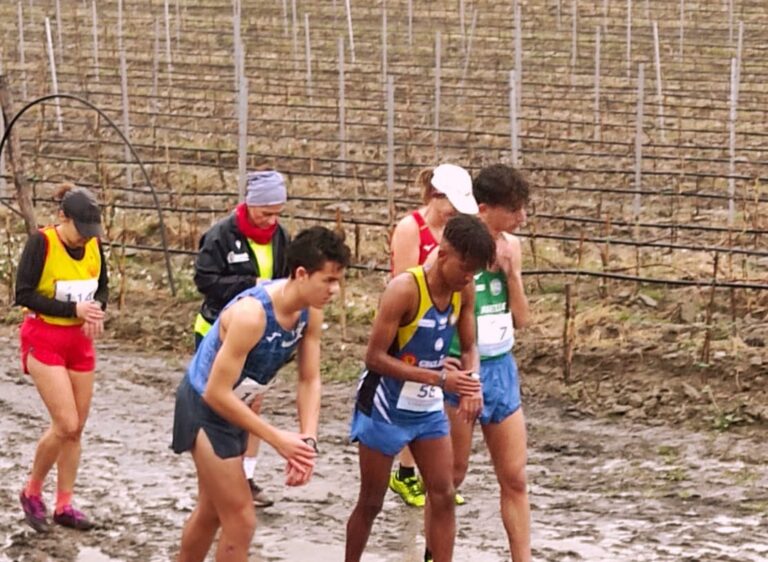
column 601, row 488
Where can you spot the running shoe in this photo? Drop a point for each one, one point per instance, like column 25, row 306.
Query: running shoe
column 410, row 489
column 260, row 499
column 460, row 499
column 427, row 555
column 34, row 512
column 72, row 518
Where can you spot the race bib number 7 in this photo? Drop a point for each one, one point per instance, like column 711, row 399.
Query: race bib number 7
column 418, row 397
column 495, row 333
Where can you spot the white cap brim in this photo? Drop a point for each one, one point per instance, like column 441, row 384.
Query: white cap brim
column 463, row 203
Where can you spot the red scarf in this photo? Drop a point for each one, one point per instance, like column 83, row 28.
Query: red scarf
column 244, row 224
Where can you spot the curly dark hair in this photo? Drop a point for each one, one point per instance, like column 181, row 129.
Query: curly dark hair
column 470, row 237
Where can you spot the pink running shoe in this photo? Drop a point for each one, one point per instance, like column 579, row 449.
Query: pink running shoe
column 72, row 518
column 34, row 512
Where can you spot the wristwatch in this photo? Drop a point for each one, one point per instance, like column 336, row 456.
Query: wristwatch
column 311, row 441
column 443, row 377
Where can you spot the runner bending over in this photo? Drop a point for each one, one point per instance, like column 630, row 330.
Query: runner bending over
column 235, row 253
column 446, row 190
column 252, row 338
column 400, row 396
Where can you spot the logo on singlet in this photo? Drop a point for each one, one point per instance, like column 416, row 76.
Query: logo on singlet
column 495, row 287
column 272, row 336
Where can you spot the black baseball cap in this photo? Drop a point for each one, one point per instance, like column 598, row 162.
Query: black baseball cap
column 80, row 205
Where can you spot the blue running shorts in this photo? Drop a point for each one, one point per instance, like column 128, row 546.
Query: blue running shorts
column 388, row 438
column 501, row 389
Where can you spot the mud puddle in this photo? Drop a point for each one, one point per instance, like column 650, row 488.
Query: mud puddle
column 600, row 489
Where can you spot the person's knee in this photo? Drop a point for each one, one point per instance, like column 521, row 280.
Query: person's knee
column 369, row 506
column 206, row 517
column 460, row 467
column 240, row 525
column 69, row 428
column 441, row 493
column 513, row 481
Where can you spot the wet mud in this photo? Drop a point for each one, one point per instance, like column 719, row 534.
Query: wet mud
column 600, row 489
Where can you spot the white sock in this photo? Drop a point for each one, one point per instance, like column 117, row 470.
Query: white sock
column 249, row 465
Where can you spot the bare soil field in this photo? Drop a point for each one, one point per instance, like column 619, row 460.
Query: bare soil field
column 601, row 489
column 646, row 398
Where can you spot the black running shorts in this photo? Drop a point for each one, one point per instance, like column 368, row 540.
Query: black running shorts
column 192, row 414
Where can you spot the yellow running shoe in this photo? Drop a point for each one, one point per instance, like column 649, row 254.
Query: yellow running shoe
column 460, row 499
column 410, row 489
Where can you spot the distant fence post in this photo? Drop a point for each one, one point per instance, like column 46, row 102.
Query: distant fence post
column 294, row 35
column 410, row 23
column 734, row 101
column 597, row 118
column 168, row 56
column 391, row 150
column 638, row 147
column 22, row 54
column 384, row 43
column 342, row 110
column 519, row 55
column 242, row 130
column 513, row 125
column 568, row 332
column 308, row 56
column 95, row 19
column 659, row 91
column 59, row 39
column 124, row 96
column 438, row 72
column 468, row 52
column 629, row 39
column 347, row 4
column 682, row 31
column 574, row 34
column 54, row 79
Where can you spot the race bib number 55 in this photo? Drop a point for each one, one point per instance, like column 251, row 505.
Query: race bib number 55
column 418, row 397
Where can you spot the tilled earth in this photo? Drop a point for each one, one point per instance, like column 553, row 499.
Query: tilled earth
column 600, row 489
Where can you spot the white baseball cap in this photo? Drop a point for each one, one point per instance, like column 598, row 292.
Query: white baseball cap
column 456, row 184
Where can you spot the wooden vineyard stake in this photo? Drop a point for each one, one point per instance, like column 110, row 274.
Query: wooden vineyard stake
column 342, row 284
column 706, row 347
column 568, row 333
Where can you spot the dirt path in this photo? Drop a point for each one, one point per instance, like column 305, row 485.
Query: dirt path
column 599, row 490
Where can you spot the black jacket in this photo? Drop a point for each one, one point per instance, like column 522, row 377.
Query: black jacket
column 222, row 270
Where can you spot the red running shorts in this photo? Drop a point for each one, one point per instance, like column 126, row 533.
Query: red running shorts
column 51, row 344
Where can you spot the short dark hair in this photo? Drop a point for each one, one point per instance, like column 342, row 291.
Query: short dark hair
column 313, row 247
column 470, row 237
column 500, row 185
